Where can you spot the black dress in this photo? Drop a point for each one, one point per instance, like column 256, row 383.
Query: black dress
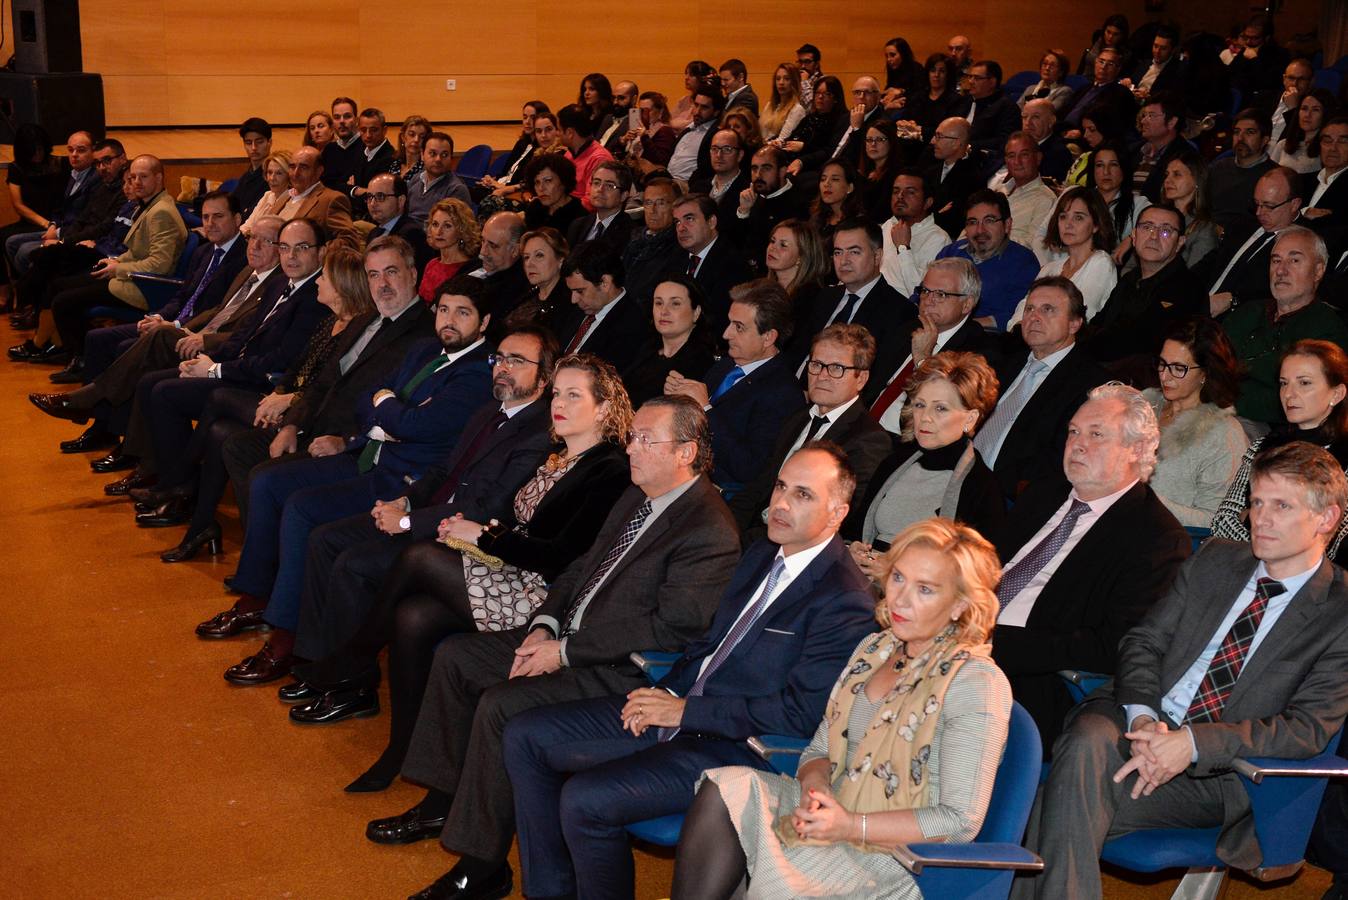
column 645, row 378
column 930, row 113
column 536, row 215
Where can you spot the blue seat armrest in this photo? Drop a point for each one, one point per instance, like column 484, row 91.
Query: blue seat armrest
column 915, row 857
column 780, row 751
column 654, row 663
column 1325, row 765
column 1080, row 684
column 1284, row 796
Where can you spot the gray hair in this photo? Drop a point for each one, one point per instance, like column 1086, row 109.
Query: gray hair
column 273, row 222
column 971, row 283
column 1321, row 251
column 1139, row 422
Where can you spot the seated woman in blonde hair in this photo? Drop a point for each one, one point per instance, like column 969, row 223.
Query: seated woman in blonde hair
column 907, row 751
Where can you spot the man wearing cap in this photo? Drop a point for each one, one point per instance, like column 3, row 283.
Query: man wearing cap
column 256, row 134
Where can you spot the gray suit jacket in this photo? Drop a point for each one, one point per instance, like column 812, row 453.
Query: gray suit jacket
column 1291, row 697
column 663, row 593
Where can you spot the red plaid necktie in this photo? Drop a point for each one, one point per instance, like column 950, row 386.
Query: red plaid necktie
column 583, row 330
column 892, row 392
column 1230, row 656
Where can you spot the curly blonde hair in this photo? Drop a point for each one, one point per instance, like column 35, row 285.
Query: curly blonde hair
column 465, row 223
column 606, row 387
column 977, row 572
column 970, row 375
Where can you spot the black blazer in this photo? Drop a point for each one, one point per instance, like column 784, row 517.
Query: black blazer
column 645, row 377
column 1120, row 568
column 1332, row 226
column 995, row 118
column 616, row 235
column 499, row 468
column 1151, row 188
column 746, row 98
column 1247, row 281
column 886, row 314
column 968, row 338
column 1033, row 448
column 506, row 290
column 620, row 337
column 568, row 516
column 727, row 224
column 746, row 419
column 754, row 232
column 1171, row 78
column 95, row 218
column 947, row 205
column 861, row 438
column 329, row 402
column 722, row 269
column 410, row 230
column 1115, row 98
column 214, row 293
column 268, row 346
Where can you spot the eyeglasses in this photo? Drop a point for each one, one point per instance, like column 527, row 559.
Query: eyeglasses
column 1166, row 232
column 606, row 185
column 645, row 442
column 944, row 137
column 380, row 198
column 722, row 150
column 834, row 370
column 1269, row 207
column 105, row 161
column 986, row 221
column 509, row 361
column 1295, row 79
column 656, row 204
column 1176, row 370
column 938, row 296
column 1328, row 140
column 977, row 77
column 877, row 139
column 286, row 249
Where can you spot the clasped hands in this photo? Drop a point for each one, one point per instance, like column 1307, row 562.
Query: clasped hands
column 820, row 818
column 539, row 654
column 459, row 528
column 1158, row 755
column 652, row 708
column 198, row 366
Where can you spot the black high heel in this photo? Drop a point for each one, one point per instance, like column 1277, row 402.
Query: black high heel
column 209, row 537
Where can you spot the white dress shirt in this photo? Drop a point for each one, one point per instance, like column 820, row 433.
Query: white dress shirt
column 1051, row 361
column 903, row 267
column 1323, row 181
column 890, row 421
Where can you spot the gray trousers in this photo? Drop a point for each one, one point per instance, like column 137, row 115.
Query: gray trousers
column 1080, row 807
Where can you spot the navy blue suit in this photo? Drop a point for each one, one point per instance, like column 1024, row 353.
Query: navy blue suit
column 213, row 294
column 776, row 680
column 745, row 420
column 287, row 501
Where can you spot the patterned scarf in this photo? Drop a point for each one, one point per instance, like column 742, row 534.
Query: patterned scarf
column 891, row 766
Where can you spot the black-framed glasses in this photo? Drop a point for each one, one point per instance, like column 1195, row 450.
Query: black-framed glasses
column 285, row 249
column 938, row 295
column 379, row 198
column 1269, row 207
column 987, row 221
column 1166, row 232
column 509, row 360
column 834, row 370
column 1176, row 370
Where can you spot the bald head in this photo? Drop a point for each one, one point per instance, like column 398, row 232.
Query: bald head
column 1038, row 118
column 501, row 241
column 306, row 166
column 145, row 176
column 951, row 140
column 80, row 150
column 866, row 91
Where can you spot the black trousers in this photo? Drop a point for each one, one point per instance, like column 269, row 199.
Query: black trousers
column 70, row 308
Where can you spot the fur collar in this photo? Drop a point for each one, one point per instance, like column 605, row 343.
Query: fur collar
column 1189, row 428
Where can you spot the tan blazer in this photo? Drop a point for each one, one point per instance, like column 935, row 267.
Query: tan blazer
column 153, row 245
column 328, row 207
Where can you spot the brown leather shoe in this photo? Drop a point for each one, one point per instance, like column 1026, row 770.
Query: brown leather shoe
column 60, row 406
column 260, row 668
column 230, row 622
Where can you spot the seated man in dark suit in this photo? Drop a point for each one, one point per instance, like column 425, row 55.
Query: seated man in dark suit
column 609, row 185
column 955, row 173
column 713, row 260
column 1231, row 181
column 947, row 297
column 1083, row 561
column 1237, row 271
column 409, row 425
column 650, row 580
column 751, row 391
column 735, row 83
column 837, row 371
column 1164, row 69
column 1023, row 438
column 992, row 115
column 1104, row 92
column 376, row 156
column 1038, row 119
column 386, row 201
column 863, row 297
column 1243, row 657
column 614, row 326
column 653, row 250
column 1324, row 195
column 726, row 178
column 502, row 270
column 1005, row 268
column 771, row 198
column 793, row 611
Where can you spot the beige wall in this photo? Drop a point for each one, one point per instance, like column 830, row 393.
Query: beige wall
column 215, row 62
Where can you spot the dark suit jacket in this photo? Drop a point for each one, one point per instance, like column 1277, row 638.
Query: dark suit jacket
column 1332, row 226
column 723, row 268
column 616, row 235
column 947, row 206
column 410, row 230
column 727, row 225
column 778, row 677
column 499, row 468
column 69, row 206
column 968, row 338
column 746, row 419
column 1151, row 188
column 851, row 151
column 753, row 233
column 1057, row 159
column 861, row 438
column 995, row 118
column 426, row 426
column 1115, row 98
column 1033, row 447
column 367, row 169
column 267, row 346
column 236, row 258
column 1247, row 281
column 242, row 316
column 329, row 402
column 746, row 98
column 1120, row 568
column 1171, row 78
column 886, row 314
column 95, row 217
column 1289, row 698
column 662, row 593
column 506, row 290
column 621, row 337
column 568, row 516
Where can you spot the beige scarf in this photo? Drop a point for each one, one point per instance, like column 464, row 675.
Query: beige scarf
column 890, row 768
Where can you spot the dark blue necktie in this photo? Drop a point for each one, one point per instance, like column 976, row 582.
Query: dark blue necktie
column 191, row 303
column 729, row 381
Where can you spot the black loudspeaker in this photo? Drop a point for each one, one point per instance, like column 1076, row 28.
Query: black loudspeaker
column 59, row 103
column 47, row 36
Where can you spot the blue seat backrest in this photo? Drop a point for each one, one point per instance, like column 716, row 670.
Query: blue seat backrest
column 1017, row 781
column 229, row 184
column 473, row 164
column 1017, row 83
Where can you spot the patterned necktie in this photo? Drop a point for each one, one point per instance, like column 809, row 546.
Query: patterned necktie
column 693, row 261
column 728, row 643
column 629, row 534
column 369, row 454
column 1022, row 573
column 728, row 382
column 585, row 325
column 191, row 303
column 219, row 319
column 1230, row 657
column 1004, row 416
column 597, row 232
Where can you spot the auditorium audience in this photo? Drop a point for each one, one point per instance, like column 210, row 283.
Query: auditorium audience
column 992, row 115
column 816, row 139
column 1186, row 185
column 1238, row 270
column 434, row 181
column 1005, row 267
column 1096, row 128
column 1031, row 199
column 342, row 156
column 276, row 172
column 654, row 141
column 607, row 220
column 912, row 237
column 1110, row 177
column 928, row 109
column 1080, row 235
column 555, row 204
column 549, row 301
column 318, row 130
column 252, row 185
column 610, row 325
column 654, row 249
column 838, row 199
column 715, row 262
column 800, row 263
column 1231, row 180
column 1299, row 149
column 453, row 232
column 772, row 197
column 311, row 198
column 954, row 174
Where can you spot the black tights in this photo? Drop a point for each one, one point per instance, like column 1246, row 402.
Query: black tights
column 710, row 862
column 423, row 600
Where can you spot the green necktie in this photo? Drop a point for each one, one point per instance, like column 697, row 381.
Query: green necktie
column 370, row 451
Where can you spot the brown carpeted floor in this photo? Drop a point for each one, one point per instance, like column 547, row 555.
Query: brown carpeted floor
column 129, row 768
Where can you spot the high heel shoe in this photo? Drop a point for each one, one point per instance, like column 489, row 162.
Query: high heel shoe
column 209, row 537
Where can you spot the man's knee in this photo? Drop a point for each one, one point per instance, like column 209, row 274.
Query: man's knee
column 1091, row 735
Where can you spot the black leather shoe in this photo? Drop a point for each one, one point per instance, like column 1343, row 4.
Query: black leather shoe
column 298, row 692
column 456, row 886
column 94, row 438
column 407, row 828
column 24, row 352
column 59, row 406
column 260, row 668
column 174, row 511
column 115, row 461
column 229, row 623
column 135, row 479
column 335, row 706
column 73, row 373
column 208, row 537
